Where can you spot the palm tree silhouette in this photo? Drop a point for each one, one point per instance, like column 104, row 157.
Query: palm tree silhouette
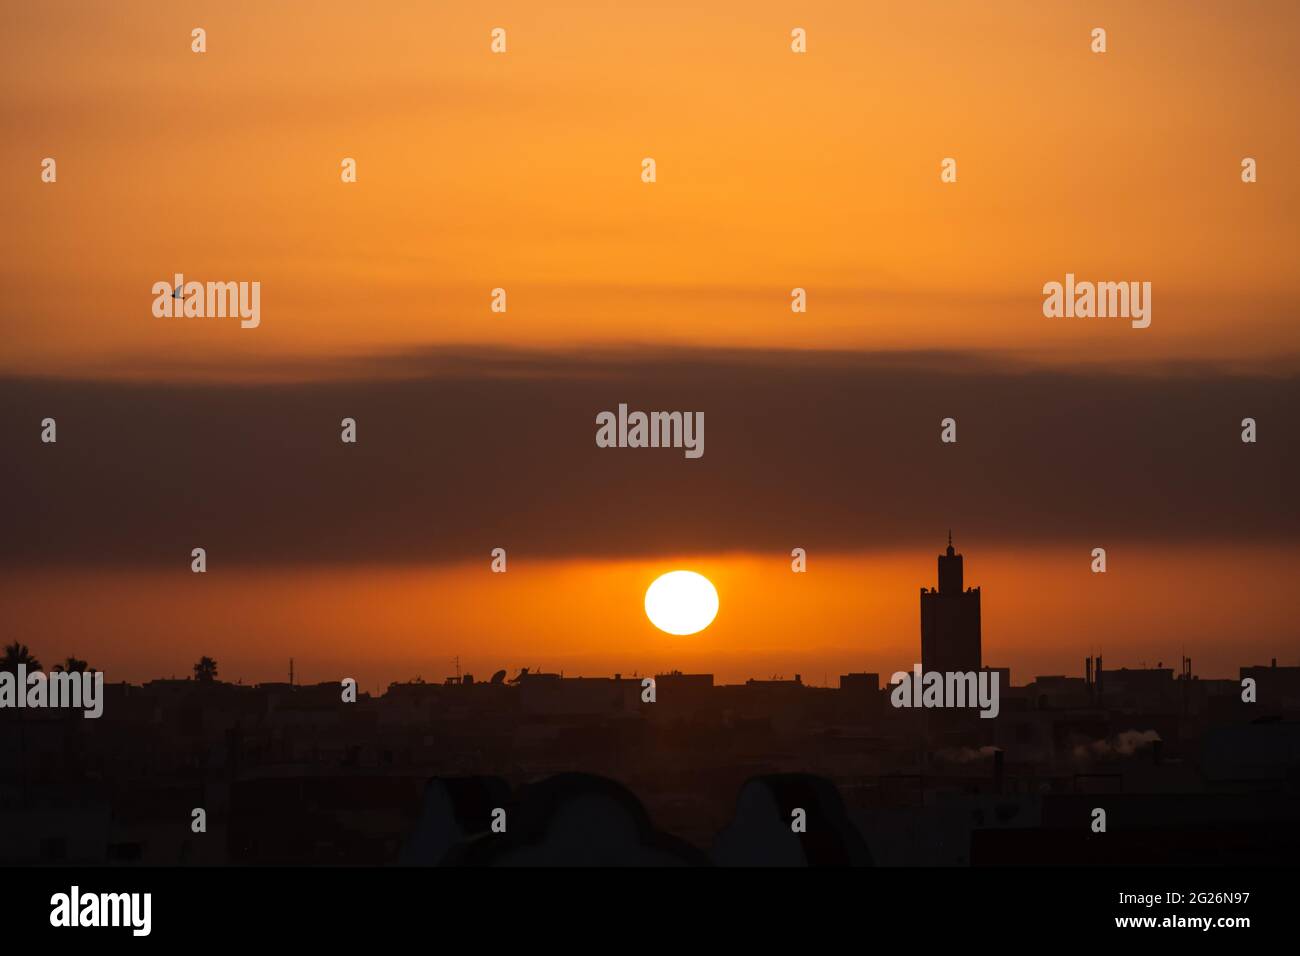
column 16, row 654
column 205, row 669
column 72, row 665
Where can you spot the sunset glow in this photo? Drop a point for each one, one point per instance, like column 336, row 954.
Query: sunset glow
column 520, row 172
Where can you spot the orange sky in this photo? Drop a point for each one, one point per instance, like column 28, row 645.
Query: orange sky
column 1224, row 606
column 522, row 171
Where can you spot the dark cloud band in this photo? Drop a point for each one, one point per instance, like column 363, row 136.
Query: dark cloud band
column 462, row 451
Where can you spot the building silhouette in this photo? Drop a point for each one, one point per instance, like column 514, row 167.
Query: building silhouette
column 950, row 619
column 291, row 774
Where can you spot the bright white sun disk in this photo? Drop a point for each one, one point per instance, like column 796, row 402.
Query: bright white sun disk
column 681, row 602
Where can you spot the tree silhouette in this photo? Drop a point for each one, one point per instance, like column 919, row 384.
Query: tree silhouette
column 205, row 669
column 16, row 654
column 73, row 665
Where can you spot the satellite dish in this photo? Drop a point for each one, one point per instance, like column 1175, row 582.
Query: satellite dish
column 499, row 677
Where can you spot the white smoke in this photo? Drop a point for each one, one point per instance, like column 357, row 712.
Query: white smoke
column 964, row 754
column 1123, row 744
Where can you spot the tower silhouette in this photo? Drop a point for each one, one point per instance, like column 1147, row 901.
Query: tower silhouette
column 950, row 619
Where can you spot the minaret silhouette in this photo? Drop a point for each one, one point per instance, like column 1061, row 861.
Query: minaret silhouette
column 950, row 619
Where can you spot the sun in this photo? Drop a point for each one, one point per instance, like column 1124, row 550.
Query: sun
column 681, row 602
